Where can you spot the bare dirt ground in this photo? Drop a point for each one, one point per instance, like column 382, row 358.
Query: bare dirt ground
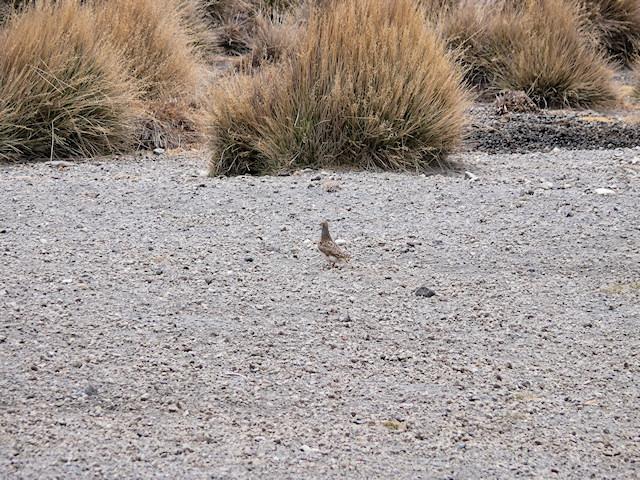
column 158, row 324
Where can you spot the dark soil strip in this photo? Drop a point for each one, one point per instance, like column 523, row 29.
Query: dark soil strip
column 529, row 132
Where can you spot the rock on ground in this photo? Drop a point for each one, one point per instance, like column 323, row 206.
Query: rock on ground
column 137, row 339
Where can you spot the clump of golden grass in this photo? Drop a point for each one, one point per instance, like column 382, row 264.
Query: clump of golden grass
column 543, row 47
column 464, row 25
column 196, row 22
column 156, row 42
column 62, row 91
column 618, row 24
column 369, row 86
column 238, row 22
column 233, row 22
column 274, row 38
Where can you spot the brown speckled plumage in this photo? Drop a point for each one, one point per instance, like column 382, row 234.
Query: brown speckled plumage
column 327, row 246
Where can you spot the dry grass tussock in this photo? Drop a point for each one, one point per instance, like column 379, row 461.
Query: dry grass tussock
column 274, row 38
column 618, row 25
column 237, row 23
column 7, row 7
column 543, row 47
column 464, row 25
column 155, row 39
column 369, row 86
column 62, row 93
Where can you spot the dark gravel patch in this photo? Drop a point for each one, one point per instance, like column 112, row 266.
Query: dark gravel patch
column 547, row 129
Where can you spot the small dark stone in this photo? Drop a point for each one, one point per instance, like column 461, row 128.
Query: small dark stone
column 317, row 178
column 248, row 259
column 208, row 280
column 90, row 390
column 424, row 292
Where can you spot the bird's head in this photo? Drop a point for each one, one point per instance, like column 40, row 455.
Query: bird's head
column 325, row 230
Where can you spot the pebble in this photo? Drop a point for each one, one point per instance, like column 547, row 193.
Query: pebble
column 60, row 163
column 471, row 177
column 331, row 186
column 424, row 292
column 90, row 390
column 604, row 191
column 158, row 151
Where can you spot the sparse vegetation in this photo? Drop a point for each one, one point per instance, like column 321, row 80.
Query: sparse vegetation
column 62, row 93
column 369, row 86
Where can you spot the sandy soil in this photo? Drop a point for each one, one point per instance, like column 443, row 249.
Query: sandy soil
column 158, row 324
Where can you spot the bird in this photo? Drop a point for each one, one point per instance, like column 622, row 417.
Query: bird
column 329, row 248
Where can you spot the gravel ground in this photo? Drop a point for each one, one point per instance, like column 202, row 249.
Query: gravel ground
column 158, row 324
